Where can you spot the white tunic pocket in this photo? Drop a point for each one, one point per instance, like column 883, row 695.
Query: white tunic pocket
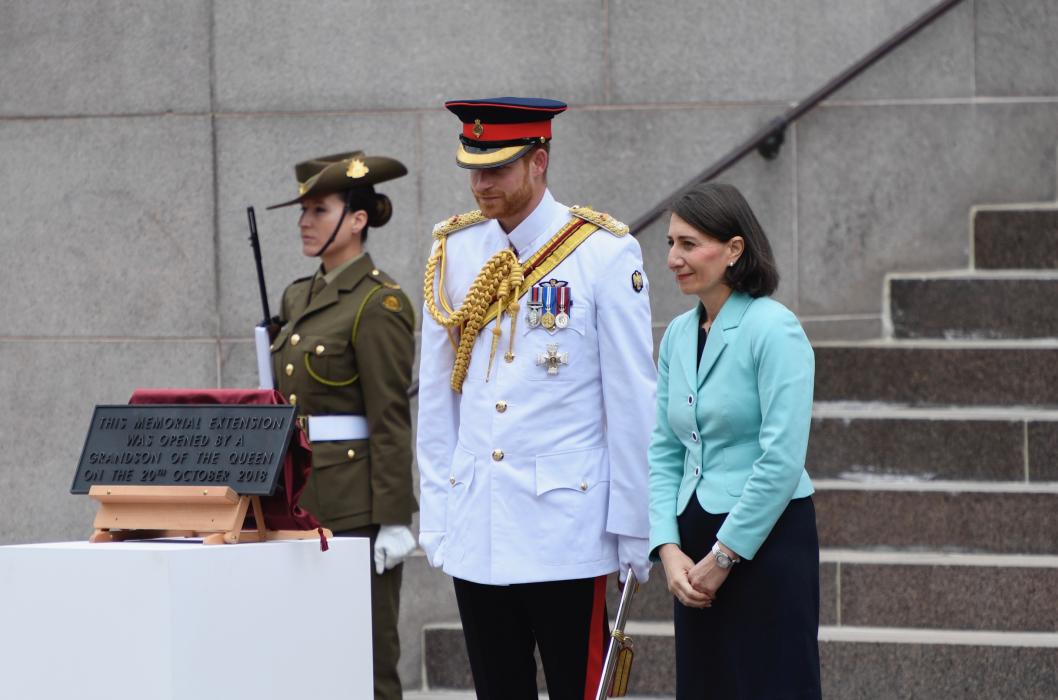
column 572, row 490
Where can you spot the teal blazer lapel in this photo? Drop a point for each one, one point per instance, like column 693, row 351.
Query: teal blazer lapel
column 714, row 346
column 730, row 316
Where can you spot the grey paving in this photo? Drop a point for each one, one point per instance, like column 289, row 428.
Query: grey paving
column 1015, row 48
column 974, row 308
column 112, row 232
column 949, row 597
column 1042, row 439
column 848, row 669
column 912, row 671
column 273, row 55
column 104, row 57
column 898, row 200
column 873, row 448
column 938, row 521
column 839, row 328
column 937, row 376
column 55, row 385
column 1016, row 240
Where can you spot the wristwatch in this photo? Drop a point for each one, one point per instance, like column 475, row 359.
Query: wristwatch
column 722, row 559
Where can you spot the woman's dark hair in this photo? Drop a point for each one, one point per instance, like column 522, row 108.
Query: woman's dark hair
column 720, row 211
column 378, row 207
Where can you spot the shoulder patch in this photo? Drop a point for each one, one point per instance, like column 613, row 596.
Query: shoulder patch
column 392, row 303
column 600, row 219
column 457, row 223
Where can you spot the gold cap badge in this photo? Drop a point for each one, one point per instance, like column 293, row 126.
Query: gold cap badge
column 478, row 128
column 357, row 169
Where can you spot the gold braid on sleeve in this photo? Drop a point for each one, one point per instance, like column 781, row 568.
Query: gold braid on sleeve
column 499, row 281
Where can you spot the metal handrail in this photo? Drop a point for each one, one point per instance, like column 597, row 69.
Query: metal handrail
column 769, row 139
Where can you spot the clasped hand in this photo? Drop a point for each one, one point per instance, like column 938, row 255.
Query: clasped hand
column 694, row 585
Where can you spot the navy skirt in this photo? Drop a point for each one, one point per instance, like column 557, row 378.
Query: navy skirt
column 759, row 640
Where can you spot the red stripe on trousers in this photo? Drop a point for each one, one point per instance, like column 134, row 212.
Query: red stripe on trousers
column 596, row 647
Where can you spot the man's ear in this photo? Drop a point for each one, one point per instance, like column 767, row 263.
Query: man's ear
column 538, row 162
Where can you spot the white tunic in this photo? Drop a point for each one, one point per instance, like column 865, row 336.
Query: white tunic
column 573, row 470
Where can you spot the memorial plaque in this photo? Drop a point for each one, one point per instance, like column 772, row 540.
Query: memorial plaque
column 241, row 446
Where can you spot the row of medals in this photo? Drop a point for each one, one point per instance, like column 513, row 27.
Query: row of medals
column 549, row 321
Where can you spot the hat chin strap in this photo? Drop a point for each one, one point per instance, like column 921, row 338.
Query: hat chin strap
column 345, row 210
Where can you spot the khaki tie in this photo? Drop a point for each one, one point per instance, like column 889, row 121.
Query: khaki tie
column 318, row 283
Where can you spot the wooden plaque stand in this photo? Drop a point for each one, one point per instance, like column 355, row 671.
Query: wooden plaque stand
column 216, row 514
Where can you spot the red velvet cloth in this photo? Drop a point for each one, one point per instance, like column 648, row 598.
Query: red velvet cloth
column 281, row 510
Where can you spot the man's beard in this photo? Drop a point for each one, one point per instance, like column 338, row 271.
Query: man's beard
column 508, row 204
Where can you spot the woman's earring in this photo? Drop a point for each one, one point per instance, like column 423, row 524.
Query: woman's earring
column 731, row 264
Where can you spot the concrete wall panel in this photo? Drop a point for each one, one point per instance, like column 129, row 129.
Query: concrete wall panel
column 255, row 165
column 277, row 55
column 110, row 231
column 1016, row 44
column 54, row 387
column 885, row 189
column 938, row 62
column 694, row 50
column 72, row 57
column 718, row 51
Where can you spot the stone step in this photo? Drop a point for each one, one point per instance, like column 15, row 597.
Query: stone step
column 1006, row 238
column 939, row 373
column 863, row 441
column 974, row 305
column 951, row 516
column 937, row 590
column 855, row 662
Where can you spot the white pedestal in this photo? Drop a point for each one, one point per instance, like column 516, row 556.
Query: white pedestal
column 184, row 621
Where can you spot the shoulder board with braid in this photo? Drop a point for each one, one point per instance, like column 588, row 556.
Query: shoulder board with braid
column 457, row 223
column 604, row 221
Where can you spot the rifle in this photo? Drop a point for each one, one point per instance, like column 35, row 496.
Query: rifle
column 262, row 333
column 618, row 666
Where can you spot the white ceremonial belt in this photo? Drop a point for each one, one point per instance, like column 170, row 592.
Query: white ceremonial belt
column 324, row 428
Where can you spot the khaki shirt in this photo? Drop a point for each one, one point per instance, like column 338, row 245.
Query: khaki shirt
column 346, row 349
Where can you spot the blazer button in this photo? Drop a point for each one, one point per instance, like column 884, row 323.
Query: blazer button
column 320, row 349
column 497, row 455
column 293, row 399
column 289, row 369
column 697, row 471
column 501, row 406
column 690, row 399
column 694, row 436
column 351, row 453
column 295, row 339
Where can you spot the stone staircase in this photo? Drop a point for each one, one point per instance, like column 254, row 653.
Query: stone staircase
column 935, row 456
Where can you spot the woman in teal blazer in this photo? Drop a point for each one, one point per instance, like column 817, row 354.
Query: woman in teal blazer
column 731, row 514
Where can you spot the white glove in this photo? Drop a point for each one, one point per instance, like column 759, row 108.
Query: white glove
column 393, row 544
column 431, row 544
column 634, row 552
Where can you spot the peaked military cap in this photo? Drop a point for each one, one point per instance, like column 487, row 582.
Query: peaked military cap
column 500, row 130
column 340, row 172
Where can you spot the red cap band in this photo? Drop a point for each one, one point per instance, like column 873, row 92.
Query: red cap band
column 506, row 132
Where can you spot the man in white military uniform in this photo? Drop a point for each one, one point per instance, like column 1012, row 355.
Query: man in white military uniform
column 536, row 402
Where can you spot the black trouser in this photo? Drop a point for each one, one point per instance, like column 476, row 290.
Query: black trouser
column 758, row 641
column 385, row 611
column 566, row 620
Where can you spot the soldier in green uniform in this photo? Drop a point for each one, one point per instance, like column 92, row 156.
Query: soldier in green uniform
column 343, row 356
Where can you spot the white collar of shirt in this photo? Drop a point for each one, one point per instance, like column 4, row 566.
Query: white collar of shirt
column 538, row 227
